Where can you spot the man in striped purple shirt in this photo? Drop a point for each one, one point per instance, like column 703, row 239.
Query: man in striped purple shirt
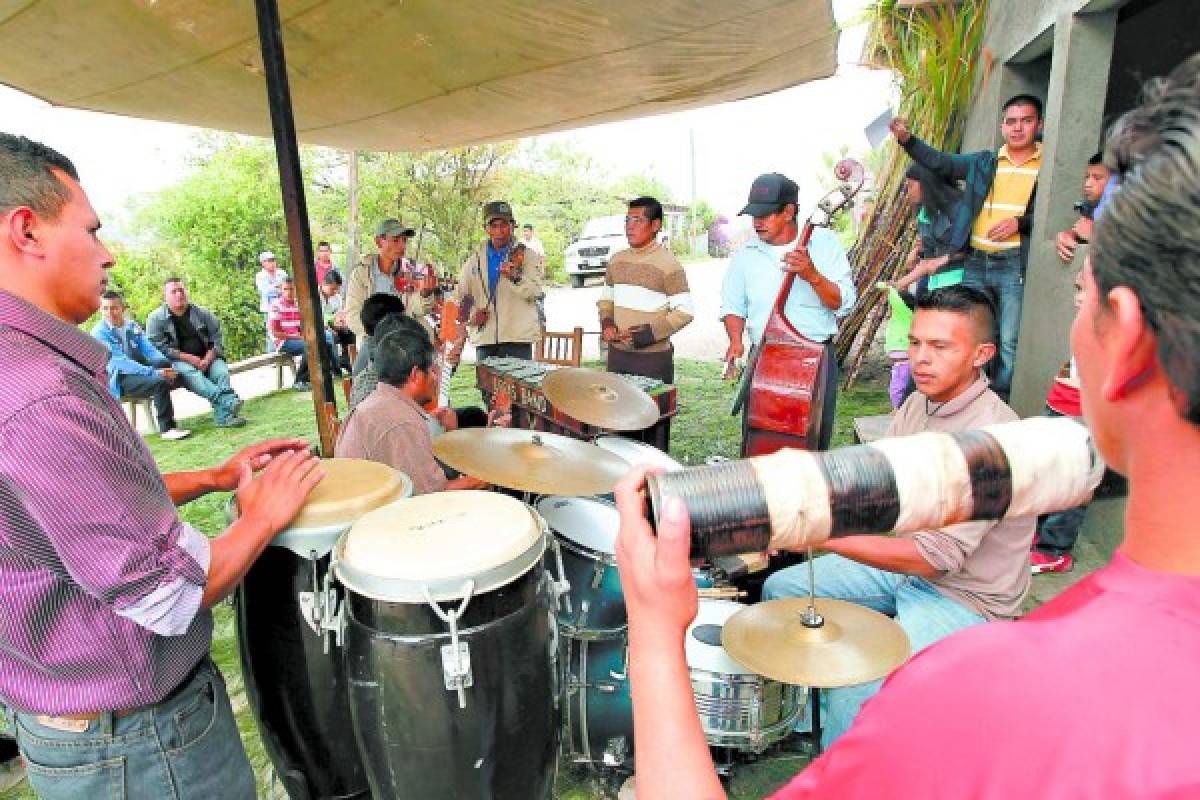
column 105, row 593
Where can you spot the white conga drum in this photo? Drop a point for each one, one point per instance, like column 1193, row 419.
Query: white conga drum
column 448, row 648
column 738, row 708
column 294, row 680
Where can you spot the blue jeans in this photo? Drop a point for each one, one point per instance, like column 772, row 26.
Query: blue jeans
column 1001, row 276
column 1057, row 531
column 157, row 389
column 924, row 613
column 187, row 747
column 295, row 347
column 213, row 386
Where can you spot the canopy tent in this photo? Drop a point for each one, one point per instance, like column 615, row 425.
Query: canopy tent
column 415, row 75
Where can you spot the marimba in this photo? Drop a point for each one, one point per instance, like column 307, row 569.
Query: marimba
column 531, row 410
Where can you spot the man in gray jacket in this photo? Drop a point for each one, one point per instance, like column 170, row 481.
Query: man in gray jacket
column 191, row 337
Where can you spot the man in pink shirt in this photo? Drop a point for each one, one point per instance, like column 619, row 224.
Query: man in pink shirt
column 1094, row 694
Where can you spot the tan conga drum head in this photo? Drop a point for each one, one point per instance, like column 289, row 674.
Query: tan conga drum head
column 433, row 545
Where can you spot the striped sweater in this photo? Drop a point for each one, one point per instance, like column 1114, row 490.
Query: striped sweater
column 646, row 286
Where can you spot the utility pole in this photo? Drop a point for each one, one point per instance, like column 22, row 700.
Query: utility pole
column 352, row 180
column 692, row 207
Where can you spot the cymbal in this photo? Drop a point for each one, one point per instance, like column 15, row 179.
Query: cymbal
column 531, row 461
column 603, row 399
column 855, row 645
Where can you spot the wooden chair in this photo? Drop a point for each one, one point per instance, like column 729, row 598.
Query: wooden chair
column 564, row 349
column 347, row 385
column 335, row 424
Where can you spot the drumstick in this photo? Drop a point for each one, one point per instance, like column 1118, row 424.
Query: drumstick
column 794, row 499
column 721, row 593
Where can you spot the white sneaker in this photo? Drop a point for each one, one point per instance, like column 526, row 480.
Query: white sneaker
column 175, row 433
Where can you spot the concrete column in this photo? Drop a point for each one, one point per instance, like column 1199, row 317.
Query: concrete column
column 1082, row 56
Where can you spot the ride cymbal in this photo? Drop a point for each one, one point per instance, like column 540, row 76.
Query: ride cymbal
column 531, row 461
column 854, row 645
column 603, row 399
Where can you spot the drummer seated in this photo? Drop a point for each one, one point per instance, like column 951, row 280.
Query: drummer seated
column 938, row 581
column 390, row 426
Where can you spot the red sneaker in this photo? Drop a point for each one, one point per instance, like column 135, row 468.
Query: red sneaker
column 1046, row 562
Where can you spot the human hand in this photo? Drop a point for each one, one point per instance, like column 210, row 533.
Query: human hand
column 1004, row 229
column 928, row 266
column 1065, row 243
column 899, row 128
column 655, row 574
column 914, row 256
column 499, row 419
column 479, row 318
column 610, row 333
column 227, row 476
column 169, row 375
column 799, row 262
column 508, row 269
column 447, row 418
column 339, row 319
column 1083, row 229
column 273, row 499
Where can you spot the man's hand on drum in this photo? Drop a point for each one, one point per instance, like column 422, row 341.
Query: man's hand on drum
column 656, row 576
column 447, row 418
column 276, row 495
column 228, row 476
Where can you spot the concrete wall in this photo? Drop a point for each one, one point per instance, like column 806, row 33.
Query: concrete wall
column 1061, row 51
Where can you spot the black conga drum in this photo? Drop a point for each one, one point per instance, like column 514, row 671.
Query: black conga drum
column 449, row 650
column 287, row 619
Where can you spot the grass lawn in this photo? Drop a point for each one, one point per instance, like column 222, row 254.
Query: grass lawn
column 702, row 428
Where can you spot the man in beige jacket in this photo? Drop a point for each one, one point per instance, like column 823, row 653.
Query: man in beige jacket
column 504, row 289
column 386, row 271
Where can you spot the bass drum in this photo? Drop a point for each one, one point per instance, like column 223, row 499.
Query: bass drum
column 738, row 708
column 449, row 650
column 294, row 680
column 634, row 452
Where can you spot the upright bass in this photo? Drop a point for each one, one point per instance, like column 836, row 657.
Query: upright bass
column 784, row 386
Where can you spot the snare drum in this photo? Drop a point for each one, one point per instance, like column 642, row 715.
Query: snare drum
column 294, row 683
column 738, row 709
column 448, row 646
column 586, row 529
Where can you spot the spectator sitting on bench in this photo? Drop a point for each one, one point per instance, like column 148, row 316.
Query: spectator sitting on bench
column 286, row 332
column 375, row 308
column 191, row 337
column 136, row 369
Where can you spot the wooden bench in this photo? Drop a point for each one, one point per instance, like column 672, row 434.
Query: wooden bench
column 277, row 360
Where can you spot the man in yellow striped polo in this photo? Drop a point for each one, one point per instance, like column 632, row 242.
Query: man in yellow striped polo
column 998, row 193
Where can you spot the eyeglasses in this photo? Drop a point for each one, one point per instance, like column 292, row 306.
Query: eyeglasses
column 635, row 220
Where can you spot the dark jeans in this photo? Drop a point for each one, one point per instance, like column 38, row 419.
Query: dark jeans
column 505, row 350
column 343, row 338
column 659, row 365
column 1058, row 531
column 1000, row 275
column 295, row 347
column 157, row 389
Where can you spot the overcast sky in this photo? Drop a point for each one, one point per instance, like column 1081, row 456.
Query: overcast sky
column 786, row 131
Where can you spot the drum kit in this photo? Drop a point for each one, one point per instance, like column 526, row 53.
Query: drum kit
column 449, row 645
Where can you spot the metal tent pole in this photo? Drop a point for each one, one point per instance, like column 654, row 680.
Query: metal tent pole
column 295, row 212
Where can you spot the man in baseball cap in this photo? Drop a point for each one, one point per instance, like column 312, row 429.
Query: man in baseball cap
column 770, row 193
column 268, row 281
column 380, row 273
column 504, row 282
column 823, row 293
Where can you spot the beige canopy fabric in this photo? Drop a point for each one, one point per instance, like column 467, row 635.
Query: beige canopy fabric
column 413, row 74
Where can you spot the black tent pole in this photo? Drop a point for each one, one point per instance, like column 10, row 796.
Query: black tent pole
column 295, row 212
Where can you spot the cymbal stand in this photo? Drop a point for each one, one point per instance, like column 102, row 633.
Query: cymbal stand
column 811, row 618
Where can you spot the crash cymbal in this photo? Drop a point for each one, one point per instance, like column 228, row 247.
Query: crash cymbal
column 599, row 398
column 531, row 461
column 854, row 645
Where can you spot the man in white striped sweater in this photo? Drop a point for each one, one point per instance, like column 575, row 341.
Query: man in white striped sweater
column 645, row 299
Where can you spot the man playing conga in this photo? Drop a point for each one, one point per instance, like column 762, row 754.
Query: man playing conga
column 105, row 626
column 1022, row 709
